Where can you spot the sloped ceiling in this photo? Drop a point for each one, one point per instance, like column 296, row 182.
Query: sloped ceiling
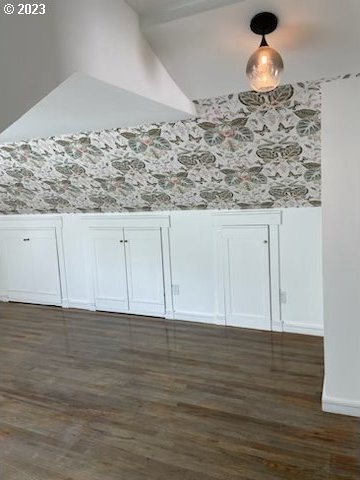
column 100, row 53
column 177, row 50
column 206, row 53
column 82, row 103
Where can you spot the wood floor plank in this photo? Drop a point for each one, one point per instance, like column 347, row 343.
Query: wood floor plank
column 87, row 396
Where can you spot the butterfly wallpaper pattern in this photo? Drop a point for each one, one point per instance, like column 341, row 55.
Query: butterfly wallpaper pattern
column 244, row 150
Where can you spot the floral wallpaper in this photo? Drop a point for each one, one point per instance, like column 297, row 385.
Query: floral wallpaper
column 244, row 150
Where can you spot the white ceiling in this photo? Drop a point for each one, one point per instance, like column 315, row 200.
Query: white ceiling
column 157, row 11
column 81, row 67
column 206, row 53
column 197, row 47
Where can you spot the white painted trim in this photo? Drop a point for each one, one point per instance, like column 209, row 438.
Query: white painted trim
column 80, row 304
column 167, row 272
column 274, row 270
column 21, row 222
column 340, row 406
column 33, row 299
column 277, row 327
column 219, row 289
column 274, row 260
column 117, row 221
column 33, row 217
column 258, row 217
column 304, row 329
column 61, row 263
column 197, row 317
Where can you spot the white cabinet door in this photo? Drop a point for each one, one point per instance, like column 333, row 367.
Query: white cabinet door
column 110, row 283
column 31, row 266
column 46, row 265
column 145, row 271
column 247, row 277
column 19, row 265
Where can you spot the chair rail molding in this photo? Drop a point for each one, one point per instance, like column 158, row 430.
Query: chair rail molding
column 254, row 217
column 114, row 221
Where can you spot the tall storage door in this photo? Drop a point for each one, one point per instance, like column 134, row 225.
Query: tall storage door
column 247, row 277
column 110, row 271
column 145, row 271
column 31, row 266
column 18, row 265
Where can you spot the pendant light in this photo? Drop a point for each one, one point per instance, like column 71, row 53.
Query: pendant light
column 265, row 66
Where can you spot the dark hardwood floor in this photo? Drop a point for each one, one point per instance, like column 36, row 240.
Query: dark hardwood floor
column 92, row 396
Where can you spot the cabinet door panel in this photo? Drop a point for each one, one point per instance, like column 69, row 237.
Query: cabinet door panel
column 247, row 277
column 46, row 265
column 31, row 266
column 145, row 271
column 19, row 262
column 110, row 272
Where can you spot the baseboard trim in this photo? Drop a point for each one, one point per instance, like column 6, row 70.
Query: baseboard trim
column 277, row 326
column 340, row 406
column 198, row 317
column 80, row 305
column 304, row 329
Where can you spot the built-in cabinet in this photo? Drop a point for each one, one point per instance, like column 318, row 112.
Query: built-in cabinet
column 129, row 256
column 245, row 252
column 248, row 276
column 29, row 263
column 128, row 270
column 128, row 262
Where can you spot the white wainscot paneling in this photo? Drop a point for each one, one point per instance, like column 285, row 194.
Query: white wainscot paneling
column 78, row 269
column 301, row 271
column 190, row 246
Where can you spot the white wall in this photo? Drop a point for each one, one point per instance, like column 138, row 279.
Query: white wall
column 341, row 240
column 193, row 263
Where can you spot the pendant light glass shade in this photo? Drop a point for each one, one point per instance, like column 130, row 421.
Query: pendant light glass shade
column 264, row 69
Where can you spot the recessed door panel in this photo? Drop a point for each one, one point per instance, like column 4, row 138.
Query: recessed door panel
column 31, row 266
column 46, row 265
column 20, row 274
column 110, row 272
column 247, row 277
column 145, row 271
